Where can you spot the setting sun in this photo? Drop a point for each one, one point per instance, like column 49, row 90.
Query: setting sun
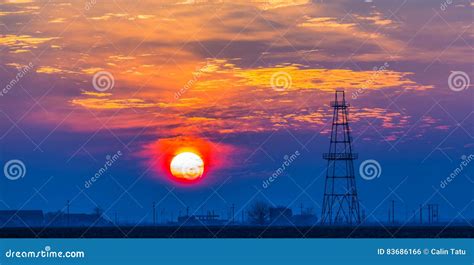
column 187, row 166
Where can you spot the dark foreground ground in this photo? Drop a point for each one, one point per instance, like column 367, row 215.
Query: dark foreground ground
column 240, row 232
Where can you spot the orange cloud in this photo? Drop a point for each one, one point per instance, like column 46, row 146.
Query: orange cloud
column 23, row 41
column 104, row 103
column 179, row 70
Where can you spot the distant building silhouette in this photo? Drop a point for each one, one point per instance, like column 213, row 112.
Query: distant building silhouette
column 280, row 216
column 198, row 220
column 60, row 219
column 21, row 218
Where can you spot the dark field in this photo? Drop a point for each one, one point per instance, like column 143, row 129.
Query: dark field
column 240, row 232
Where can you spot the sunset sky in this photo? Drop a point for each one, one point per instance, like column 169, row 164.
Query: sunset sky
column 248, row 83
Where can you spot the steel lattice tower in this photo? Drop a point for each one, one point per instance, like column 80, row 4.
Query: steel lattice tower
column 340, row 202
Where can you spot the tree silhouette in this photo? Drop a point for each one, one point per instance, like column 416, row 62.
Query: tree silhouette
column 258, row 212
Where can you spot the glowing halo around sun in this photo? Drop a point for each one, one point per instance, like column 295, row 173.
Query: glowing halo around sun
column 188, row 162
column 187, row 166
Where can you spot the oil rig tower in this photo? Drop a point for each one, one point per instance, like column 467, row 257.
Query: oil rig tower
column 340, row 202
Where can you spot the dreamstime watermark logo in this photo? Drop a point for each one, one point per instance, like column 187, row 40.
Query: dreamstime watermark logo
column 458, row 81
column 103, row 81
column 21, row 73
column 466, row 160
column 89, row 4
column 370, row 169
column 14, row 169
column 445, row 5
column 288, row 160
column 196, row 75
column 378, row 70
column 44, row 253
column 281, row 81
column 110, row 160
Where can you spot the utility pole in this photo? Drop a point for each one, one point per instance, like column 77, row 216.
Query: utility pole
column 421, row 214
column 436, row 212
column 154, row 213
column 393, row 212
column 389, row 217
column 68, row 213
column 233, row 213
column 433, row 213
column 429, row 213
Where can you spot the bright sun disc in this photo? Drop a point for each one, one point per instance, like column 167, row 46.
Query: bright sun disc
column 187, row 166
